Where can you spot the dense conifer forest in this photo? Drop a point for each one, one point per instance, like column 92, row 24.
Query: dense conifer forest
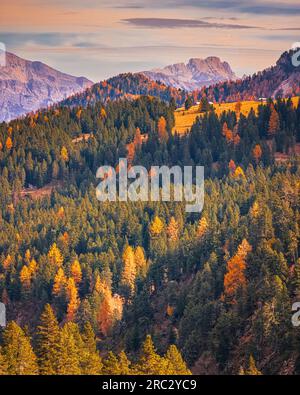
column 146, row 288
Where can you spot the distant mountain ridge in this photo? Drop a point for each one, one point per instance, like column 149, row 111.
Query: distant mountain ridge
column 280, row 80
column 193, row 75
column 39, row 86
column 28, row 86
column 125, row 86
column 283, row 80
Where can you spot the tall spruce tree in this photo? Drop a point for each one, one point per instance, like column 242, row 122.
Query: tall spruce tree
column 48, row 342
column 17, row 351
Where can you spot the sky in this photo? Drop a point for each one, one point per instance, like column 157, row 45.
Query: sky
column 101, row 38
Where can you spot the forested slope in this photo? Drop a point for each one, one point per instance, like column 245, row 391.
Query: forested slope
column 219, row 284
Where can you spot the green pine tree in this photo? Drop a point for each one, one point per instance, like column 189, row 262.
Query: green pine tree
column 111, row 365
column 48, row 344
column 124, row 363
column 150, row 363
column 17, row 351
column 68, row 359
column 90, row 361
column 175, row 362
column 3, row 364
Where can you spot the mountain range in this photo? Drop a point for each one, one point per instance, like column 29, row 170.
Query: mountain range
column 195, row 74
column 27, row 86
column 282, row 79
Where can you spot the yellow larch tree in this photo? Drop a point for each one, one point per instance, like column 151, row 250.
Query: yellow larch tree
column 33, row 267
column 73, row 299
column 60, row 282
column 254, row 211
column 103, row 114
column 54, row 255
column 64, row 154
column 243, row 249
column 202, row 227
column 61, row 213
column 239, row 172
column 27, row 256
column 76, row 272
column 140, row 262
column 129, row 269
column 156, row 227
column 25, row 277
column 7, row 262
column 100, row 286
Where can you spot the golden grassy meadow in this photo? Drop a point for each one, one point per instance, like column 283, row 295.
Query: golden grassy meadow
column 184, row 119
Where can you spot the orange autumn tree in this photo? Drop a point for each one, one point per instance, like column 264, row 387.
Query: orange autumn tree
column 236, row 139
column 274, row 123
column 8, row 143
column 170, row 311
column 231, row 166
column 73, row 299
column 78, row 114
column 227, row 133
column 162, row 129
column 257, row 153
column 235, row 278
column 105, row 316
column 111, row 307
column 137, row 138
column 173, row 230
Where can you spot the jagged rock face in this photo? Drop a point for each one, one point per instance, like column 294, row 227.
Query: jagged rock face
column 195, row 74
column 28, row 86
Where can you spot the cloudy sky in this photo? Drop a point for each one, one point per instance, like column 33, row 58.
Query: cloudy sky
column 101, row 38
